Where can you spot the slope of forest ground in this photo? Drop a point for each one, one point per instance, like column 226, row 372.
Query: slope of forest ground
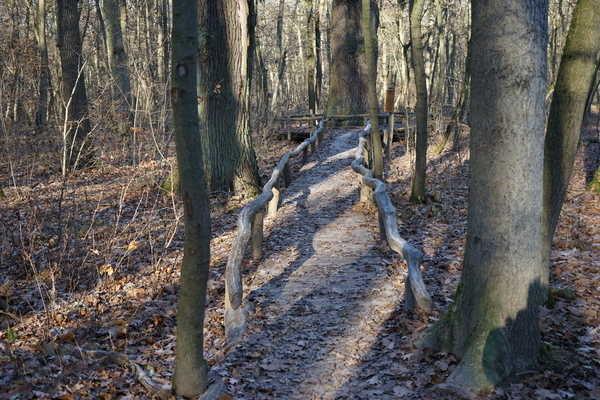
column 91, row 263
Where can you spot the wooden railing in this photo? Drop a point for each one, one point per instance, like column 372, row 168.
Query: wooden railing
column 250, row 227
column 416, row 296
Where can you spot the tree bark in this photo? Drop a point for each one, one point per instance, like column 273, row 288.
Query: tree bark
column 190, row 378
column 41, row 113
column 418, row 181
column 492, row 325
column 77, row 149
column 226, row 55
column 318, row 57
column 217, row 103
column 368, row 27
column 310, row 61
column 242, row 22
column 117, row 58
column 281, row 54
column 574, row 82
column 348, row 68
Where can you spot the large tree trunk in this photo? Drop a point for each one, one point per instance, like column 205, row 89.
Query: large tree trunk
column 569, row 103
column 348, row 68
column 216, row 93
column 41, row 113
column 117, row 59
column 76, row 150
column 190, row 378
column 493, row 323
column 226, row 55
column 418, row 181
column 241, row 18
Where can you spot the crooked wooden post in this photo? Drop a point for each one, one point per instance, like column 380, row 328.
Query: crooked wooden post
column 257, row 235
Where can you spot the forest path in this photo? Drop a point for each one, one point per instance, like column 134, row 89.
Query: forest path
column 321, row 294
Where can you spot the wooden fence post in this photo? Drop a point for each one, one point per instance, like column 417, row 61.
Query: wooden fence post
column 257, row 235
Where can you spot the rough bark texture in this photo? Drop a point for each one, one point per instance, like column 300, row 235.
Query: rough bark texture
column 75, row 103
column 190, row 378
column 281, row 54
column 348, row 70
column 369, row 32
column 117, row 58
column 217, row 105
column 41, row 112
column 493, row 324
column 574, row 82
column 418, row 180
column 225, row 70
column 310, row 61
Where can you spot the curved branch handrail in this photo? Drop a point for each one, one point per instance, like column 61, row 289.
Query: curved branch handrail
column 250, row 224
column 415, row 292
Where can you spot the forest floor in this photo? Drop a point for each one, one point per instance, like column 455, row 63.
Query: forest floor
column 91, row 263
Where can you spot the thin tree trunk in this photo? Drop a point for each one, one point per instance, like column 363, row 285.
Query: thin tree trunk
column 41, row 113
column 492, row 325
column 368, row 27
column 318, row 56
column 310, row 62
column 118, row 62
column 418, row 181
column 281, row 54
column 574, row 83
column 190, row 378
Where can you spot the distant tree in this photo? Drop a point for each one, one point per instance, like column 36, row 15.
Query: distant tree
column 574, row 84
column 41, row 113
column 348, row 69
column 418, row 181
column 117, row 58
column 190, row 378
column 493, row 323
column 76, row 147
column 310, row 61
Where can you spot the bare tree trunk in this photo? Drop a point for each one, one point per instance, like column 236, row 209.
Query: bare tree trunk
column 118, row 62
column 41, row 113
column 418, row 181
column 241, row 20
column 368, row 27
column 348, row 68
column 190, row 378
column 162, row 47
column 310, row 62
column 281, row 54
column 217, row 105
column 226, row 56
column 574, row 83
column 492, row 326
column 77, row 150
column 318, row 56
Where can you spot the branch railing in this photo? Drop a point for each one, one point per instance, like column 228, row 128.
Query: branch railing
column 250, row 228
column 416, row 296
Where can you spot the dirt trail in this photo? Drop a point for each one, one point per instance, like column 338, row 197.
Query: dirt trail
column 321, row 295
